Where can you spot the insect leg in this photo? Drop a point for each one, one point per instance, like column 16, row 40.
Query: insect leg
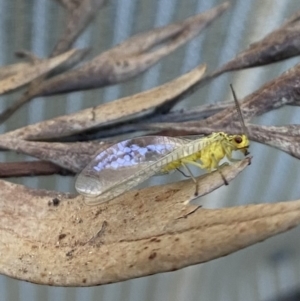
column 182, row 173
column 219, row 169
column 192, row 176
column 215, row 163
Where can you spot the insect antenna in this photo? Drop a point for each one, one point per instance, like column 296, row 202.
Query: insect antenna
column 238, row 108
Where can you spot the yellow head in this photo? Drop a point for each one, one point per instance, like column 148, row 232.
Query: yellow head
column 240, row 142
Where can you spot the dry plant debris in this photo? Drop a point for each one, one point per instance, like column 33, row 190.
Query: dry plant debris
column 58, row 240
column 53, row 238
column 120, row 63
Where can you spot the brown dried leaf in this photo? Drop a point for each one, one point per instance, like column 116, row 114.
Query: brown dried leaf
column 31, row 168
column 120, row 63
column 280, row 44
column 80, row 14
column 69, row 4
column 21, row 74
column 130, row 58
column 285, row 138
column 31, row 91
column 140, row 233
column 289, row 131
column 138, row 126
column 108, row 113
column 70, row 63
column 9, row 70
column 280, row 91
column 72, row 156
column 276, row 93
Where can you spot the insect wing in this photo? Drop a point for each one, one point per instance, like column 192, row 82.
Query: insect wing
column 123, row 166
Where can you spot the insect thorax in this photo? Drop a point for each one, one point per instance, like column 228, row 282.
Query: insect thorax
column 211, row 150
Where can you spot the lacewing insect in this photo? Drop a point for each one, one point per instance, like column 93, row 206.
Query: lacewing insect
column 126, row 164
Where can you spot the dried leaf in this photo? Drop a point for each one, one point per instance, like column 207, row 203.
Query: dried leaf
column 69, row 4
column 285, row 138
column 21, row 74
column 70, row 63
column 10, row 70
column 138, row 126
column 108, row 113
column 120, row 63
column 140, row 233
column 31, row 91
column 195, row 113
column 272, row 95
column 31, row 168
column 80, row 14
column 291, row 130
column 276, row 93
column 72, row 156
column 280, row 44
column 130, row 58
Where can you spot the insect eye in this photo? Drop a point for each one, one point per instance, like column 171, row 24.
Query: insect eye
column 238, row 139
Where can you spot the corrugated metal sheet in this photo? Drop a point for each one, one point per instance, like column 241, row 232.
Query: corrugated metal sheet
column 260, row 272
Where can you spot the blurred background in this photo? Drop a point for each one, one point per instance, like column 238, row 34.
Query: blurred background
column 267, row 271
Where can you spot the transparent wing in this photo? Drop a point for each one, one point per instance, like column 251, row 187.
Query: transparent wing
column 123, row 161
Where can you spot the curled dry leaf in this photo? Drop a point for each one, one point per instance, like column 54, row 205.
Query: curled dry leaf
column 29, row 94
column 195, row 113
column 291, row 130
column 280, row 44
column 198, row 112
column 69, row 4
column 15, row 76
column 118, row 64
column 131, row 57
column 71, row 156
column 60, row 241
column 10, row 70
column 285, row 138
column 138, row 126
column 79, row 15
column 280, row 91
column 31, row 169
column 108, row 113
column 28, row 55
column 69, row 64
column 57, row 240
